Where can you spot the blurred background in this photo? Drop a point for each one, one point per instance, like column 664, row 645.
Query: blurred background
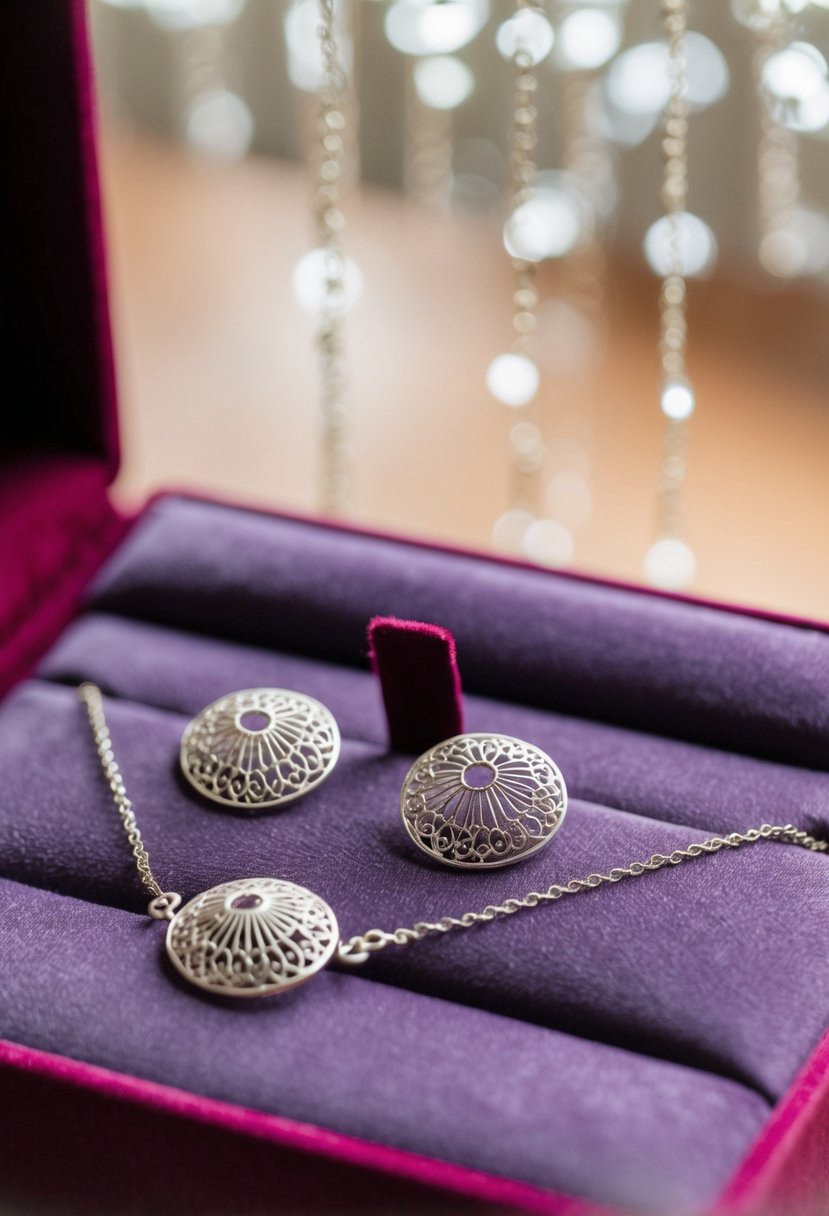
column 208, row 142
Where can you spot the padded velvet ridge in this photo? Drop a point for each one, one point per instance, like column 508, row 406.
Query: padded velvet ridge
column 666, row 779
column 606, row 653
column 623, row 1045
column 636, row 965
column 376, row 1062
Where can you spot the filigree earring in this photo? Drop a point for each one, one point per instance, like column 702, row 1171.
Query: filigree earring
column 259, row 748
column 478, row 801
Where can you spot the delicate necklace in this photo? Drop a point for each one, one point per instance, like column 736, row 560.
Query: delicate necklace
column 259, row 936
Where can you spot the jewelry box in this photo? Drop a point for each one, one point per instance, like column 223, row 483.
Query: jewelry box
column 660, row 1046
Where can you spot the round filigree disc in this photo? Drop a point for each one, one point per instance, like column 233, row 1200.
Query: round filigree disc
column 479, row 801
column 260, row 748
column 252, row 937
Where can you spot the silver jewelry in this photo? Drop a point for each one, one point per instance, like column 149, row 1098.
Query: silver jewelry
column 253, row 937
column 478, row 801
column 259, row 936
column 259, row 748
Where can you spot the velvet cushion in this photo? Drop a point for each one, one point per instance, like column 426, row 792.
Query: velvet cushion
column 375, row 1061
column 642, row 661
column 633, row 965
column 622, row 1045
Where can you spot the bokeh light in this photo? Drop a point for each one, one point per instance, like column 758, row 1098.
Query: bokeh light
column 670, row 564
column 528, row 32
column 192, row 14
column 443, row 81
column 512, row 379
column 301, row 25
column 547, row 542
column 683, row 238
column 548, row 225
column 588, row 38
column 219, row 123
column 315, row 282
column 434, row 27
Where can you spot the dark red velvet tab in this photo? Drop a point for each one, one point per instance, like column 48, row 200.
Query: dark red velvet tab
column 418, row 671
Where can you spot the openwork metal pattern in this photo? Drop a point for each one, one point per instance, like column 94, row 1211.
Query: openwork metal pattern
column 253, row 937
column 483, row 800
column 260, row 748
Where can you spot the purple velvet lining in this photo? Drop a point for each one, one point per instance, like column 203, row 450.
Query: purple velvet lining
column 667, row 667
column 253, row 1156
column 634, row 966
column 376, row 1062
column 659, row 778
column 711, row 966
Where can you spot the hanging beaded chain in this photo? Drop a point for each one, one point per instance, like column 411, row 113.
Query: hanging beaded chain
column 778, row 162
column 513, row 378
column 670, row 563
column 525, row 442
column 330, row 221
column 427, row 160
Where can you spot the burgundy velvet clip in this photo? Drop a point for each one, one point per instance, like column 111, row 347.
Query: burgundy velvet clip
column 418, row 671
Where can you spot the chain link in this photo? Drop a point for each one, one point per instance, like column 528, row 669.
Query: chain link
column 163, row 903
column 359, row 949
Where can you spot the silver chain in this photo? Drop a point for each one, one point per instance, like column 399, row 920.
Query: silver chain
column 164, row 903
column 359, row 949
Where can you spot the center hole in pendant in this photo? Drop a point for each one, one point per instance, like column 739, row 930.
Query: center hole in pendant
column 254, row 720
column 246, row 902
column 478, row 776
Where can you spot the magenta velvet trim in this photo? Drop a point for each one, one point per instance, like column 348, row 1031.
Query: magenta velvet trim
column 247, row 1167
column 787, row 1170
column 56, row 527
column 417, row 666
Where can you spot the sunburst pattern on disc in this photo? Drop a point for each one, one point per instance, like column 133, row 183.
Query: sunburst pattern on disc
column 252, row 937
column 483, row 800
column 260, row 748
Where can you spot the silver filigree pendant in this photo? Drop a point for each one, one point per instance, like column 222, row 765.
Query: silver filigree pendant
column 252, row 937
column 260, row 748
column 478, row 801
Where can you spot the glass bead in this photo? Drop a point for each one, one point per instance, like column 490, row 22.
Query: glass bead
column 548, row 543
column 512, row 379
column 677, row 399
column 588, row 38
column 696, row 244
column 528, row 33
column 670, row 564
column 325, row 281
column 424, row 27
column 510, row 528
column 443, row 82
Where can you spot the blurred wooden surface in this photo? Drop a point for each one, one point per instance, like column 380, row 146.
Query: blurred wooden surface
column 218, row 379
